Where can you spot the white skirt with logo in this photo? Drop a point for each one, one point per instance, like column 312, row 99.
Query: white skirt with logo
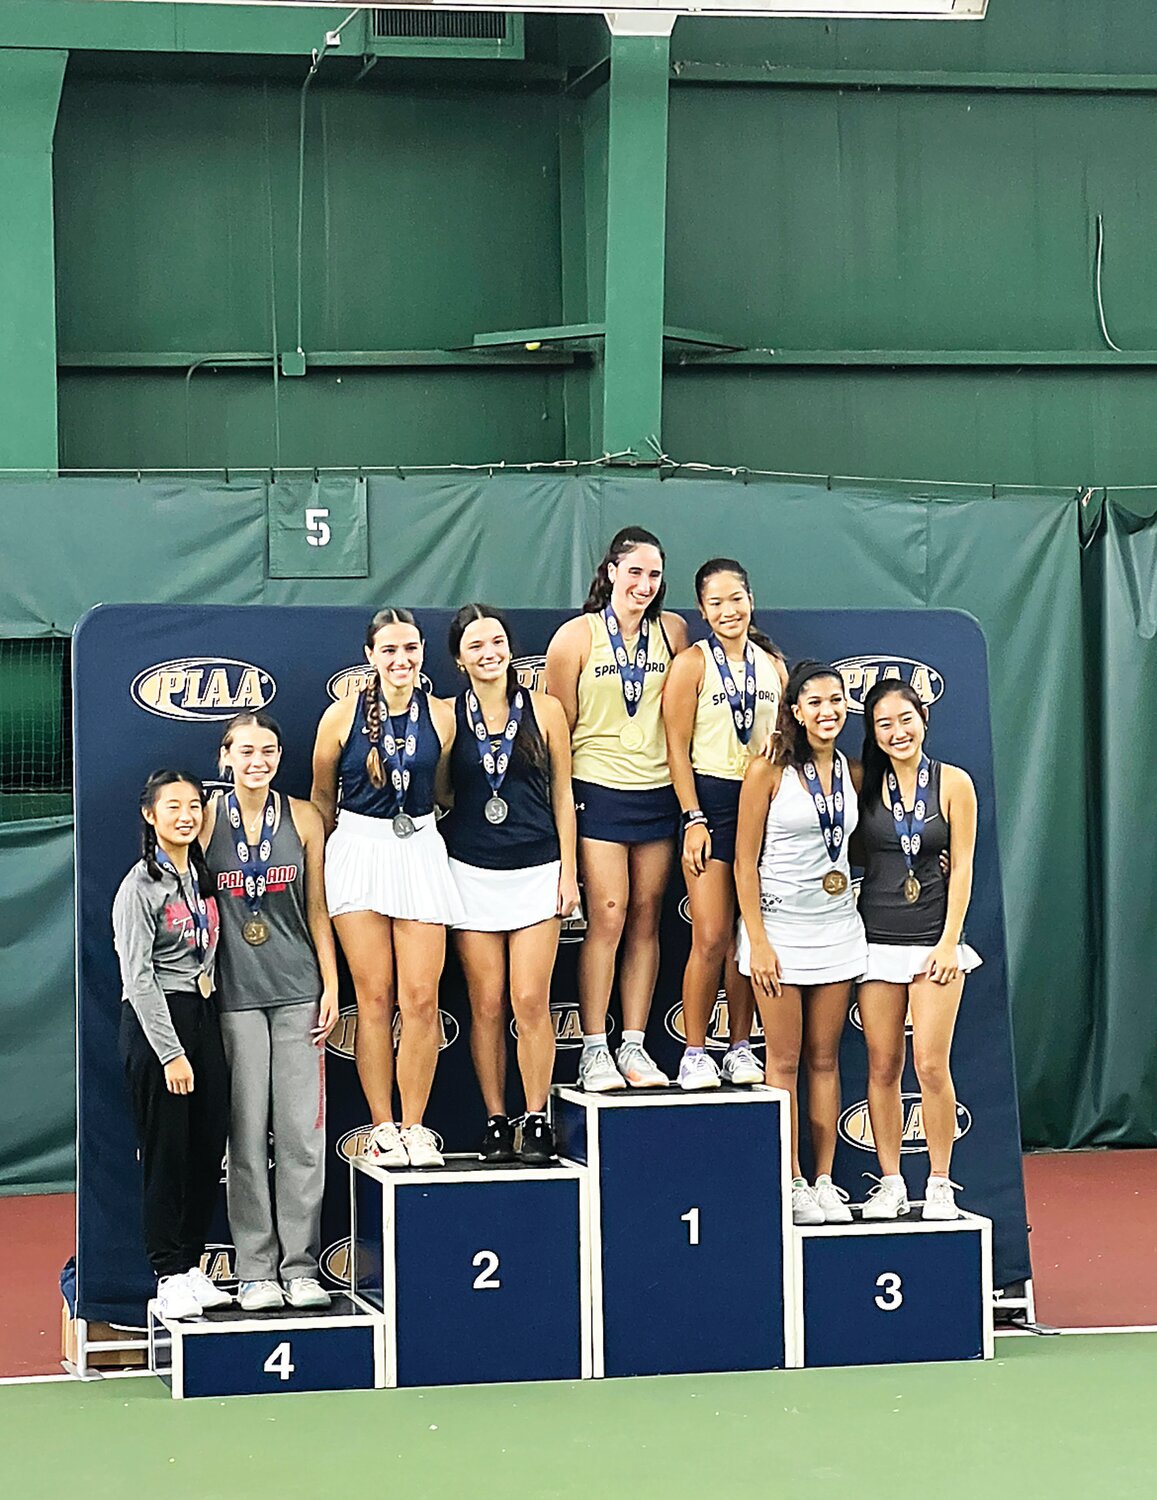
column 505, row 900
column 369, row 868
column 900, row 963
column 835, row 953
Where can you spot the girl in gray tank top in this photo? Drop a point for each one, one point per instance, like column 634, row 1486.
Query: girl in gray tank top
column 278, row 998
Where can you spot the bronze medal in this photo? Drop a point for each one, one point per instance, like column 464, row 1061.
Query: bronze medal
column 255, row 931
column 835, row 882
column 911, row 888
column 204, row 984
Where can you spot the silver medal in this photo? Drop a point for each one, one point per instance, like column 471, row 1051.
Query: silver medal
column 403, row 825
column 496, row 810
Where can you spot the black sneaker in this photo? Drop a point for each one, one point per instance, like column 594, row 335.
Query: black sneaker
column 537, row 1149
column 498, row 1142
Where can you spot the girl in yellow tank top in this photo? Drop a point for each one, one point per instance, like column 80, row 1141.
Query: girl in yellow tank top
column 607, row 667
column 719, row 709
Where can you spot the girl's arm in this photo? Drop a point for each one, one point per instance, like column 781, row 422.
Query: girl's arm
column 565, row 657
column 552, row 722
column 958, row 796
column 134, row 923
column 334, row 726
column 760, row 785
column 680, row 697
column 311, row 830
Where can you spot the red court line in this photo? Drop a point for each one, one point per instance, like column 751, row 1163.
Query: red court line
column 1094, row 1237
column 37, row 1235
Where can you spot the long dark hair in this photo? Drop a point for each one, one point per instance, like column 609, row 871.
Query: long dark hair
column 149, row 794
column 528, row 743
column 875, row 759
column 257, row 717
column 372, row 692
column 792, row 748
column 623, row 542
column 729, row 565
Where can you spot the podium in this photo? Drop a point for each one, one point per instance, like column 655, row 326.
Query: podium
column 230, row 1352
column 689, row 1205
column 897, row 1291
column 481, row 1272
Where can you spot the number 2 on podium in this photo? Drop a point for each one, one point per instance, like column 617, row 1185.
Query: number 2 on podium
column 691, row 1219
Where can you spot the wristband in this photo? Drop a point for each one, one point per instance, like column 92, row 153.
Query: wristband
column 695, row 816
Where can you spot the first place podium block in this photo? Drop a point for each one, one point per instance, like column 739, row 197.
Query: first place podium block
column 894, row 1291
column 482, row 1272
column 689, row 1227
column 229, row 1352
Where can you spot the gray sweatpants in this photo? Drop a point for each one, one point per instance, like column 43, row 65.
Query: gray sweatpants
column 271, row 1057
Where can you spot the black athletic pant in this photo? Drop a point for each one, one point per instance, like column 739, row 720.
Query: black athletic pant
column 182, row 1136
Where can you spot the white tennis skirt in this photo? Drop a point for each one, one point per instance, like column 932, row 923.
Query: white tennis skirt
column 835, row 957
column 369, row 868
column 897, row 963
column 505, row 900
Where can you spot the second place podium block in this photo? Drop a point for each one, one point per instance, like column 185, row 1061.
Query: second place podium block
column 689, row 1224
column 482, row 1272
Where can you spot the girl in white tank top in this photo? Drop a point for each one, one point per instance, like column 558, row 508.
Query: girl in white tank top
column 801, row 939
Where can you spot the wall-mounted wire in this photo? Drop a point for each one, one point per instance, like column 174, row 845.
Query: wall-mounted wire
column 1097, row 284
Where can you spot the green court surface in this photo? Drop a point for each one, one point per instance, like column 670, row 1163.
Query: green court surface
column 1052, row 1417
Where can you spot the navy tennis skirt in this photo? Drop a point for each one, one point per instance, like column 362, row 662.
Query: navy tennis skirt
column 719, row 800
column 618, row 817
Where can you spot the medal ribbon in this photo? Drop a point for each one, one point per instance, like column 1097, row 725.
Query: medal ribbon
column 742, row 705
column 910, row 825
column 830, row 811
column 196, row 907
column 494, row 766
column 400, row 753
column 254, row 862
column 632, row 671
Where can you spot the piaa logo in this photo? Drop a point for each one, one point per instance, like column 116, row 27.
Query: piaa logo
column 351, row 681
column 335, row 1263
column 685, row 909
column 202, row 687
column 219, row 1264
column 531, row 671
column 342, row 1040
column 718, row 1026
column 861, row 674
column 353, row 1143
column 856, row 1128
column 568, row 1026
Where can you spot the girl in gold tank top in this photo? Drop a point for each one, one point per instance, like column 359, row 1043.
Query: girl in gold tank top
column 719, row 709
column 607, row 668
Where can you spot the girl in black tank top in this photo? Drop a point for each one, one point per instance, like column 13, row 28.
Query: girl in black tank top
column 511, row 836
column 913, row 812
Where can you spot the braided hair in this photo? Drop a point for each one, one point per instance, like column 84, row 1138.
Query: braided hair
column 791, row 742
column 599, row 594
column 729, row 565
column 372, row 692
column 149, row 794
column 528, row 742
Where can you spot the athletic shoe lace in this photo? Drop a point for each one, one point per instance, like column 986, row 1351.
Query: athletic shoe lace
column 419, row 1135
column 832, row 1189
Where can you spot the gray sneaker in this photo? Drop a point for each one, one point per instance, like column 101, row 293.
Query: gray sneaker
column 639, row 1068
column 260, row 1296
column 306, row 1291
column 597, row 1072
column 742, row 1067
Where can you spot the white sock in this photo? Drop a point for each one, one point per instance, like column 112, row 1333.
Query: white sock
column 633, row 1038
column 594, row 1040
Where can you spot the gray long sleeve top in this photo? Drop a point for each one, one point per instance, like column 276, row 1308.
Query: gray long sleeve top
column 156, row 946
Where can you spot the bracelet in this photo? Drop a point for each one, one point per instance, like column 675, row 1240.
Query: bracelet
column 695, row 816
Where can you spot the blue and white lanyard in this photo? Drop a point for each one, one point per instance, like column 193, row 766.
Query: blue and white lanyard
column 254, row 862
column 742, row 706
column 400, row 753
column 494, row 765
column 196, row 907
column 910, row 825
column 632, row 670
column 830, row 811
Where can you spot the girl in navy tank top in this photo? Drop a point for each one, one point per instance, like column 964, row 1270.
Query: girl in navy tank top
column 917, row 959
column 379, row 757
column 511, row 836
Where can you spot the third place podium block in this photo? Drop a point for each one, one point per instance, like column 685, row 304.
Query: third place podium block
column 894, row 1291
column 690, row 1214
column 482, row 1272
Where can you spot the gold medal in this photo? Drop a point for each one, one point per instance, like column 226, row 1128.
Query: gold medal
column 255, row 931
column 911, row 888
column 835, row 882
column 204, row 984
column 632, row 736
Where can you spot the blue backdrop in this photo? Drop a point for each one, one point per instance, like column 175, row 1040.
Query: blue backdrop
column 153, row 686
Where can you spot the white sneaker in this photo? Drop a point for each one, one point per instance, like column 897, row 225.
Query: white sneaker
column 306, row 1291
column 832, row 1200
column 638, row 1067
column 597, row 1072
column 939, row 1202
column 207, row 1293
column 741, row 1067
column 176, row 1299
column 887, row 1200
column 260, row 1296
column 805, row 1208
column 421, row 1147
column 698, row 1071
column 384, row 1146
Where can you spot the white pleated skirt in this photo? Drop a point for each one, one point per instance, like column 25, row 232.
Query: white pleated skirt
column 505, row 900
column 839, row 953
column 897, row 963
column 369, row 868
